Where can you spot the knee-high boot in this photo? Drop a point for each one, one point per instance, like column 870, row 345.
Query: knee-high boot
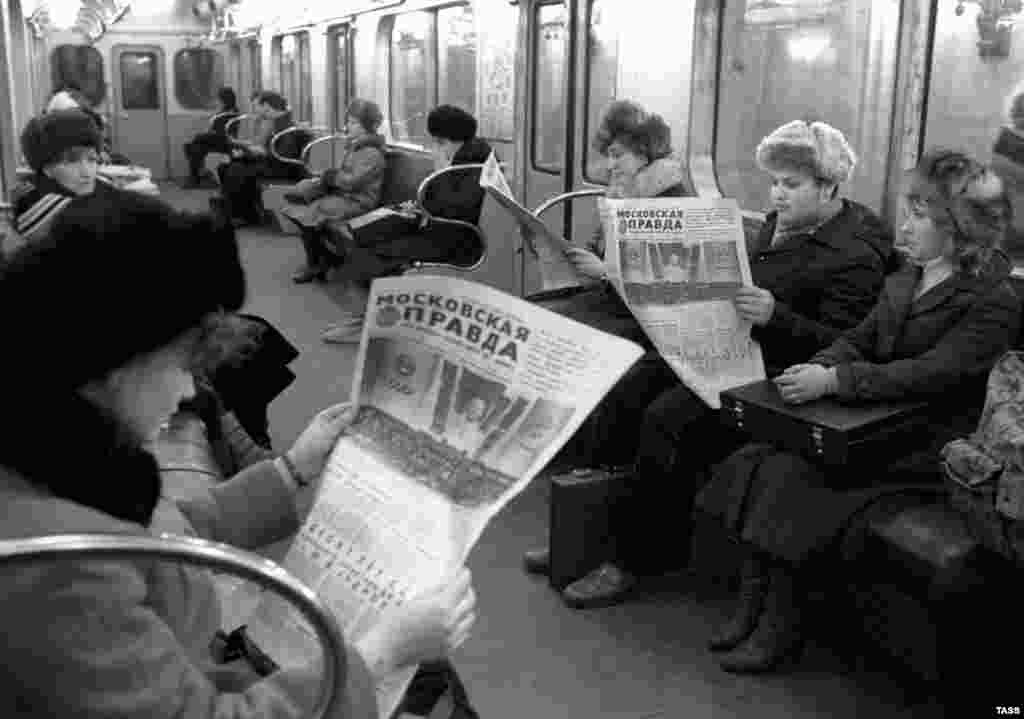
column 777, row 636
column 315, row 267
column 750, row 605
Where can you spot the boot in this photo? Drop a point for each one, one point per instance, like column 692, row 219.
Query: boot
column 777, row 636
column 753, row 582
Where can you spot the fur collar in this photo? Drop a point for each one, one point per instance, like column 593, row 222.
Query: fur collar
column 652, row 180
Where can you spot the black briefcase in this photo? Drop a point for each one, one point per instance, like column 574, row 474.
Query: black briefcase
column 582, row 536
column 825, row 430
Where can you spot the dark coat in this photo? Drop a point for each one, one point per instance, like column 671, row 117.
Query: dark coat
column 39, row 203
column 824, row 282
column 458, row 195
column 938, row 347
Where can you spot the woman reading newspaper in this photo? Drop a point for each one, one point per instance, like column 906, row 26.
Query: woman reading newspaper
column 127, row 638
column 817, row 267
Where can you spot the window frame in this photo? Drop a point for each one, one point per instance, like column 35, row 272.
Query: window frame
column 341, row 88
column 301, row 105
column 535, row 164
column 588, row 146
column 216, row 85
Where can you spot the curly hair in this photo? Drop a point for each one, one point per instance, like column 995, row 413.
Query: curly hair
column 965, row 199
column 451, row 123
column 642, row 132
column 367, row 112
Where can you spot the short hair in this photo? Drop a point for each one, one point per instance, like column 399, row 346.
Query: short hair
column 227, row 97
column 965, row 199
column 451, row 123
column 642, row 132
column 367, row 112
column 274, row 99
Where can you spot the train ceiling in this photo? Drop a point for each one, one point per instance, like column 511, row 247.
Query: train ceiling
column 90, row 18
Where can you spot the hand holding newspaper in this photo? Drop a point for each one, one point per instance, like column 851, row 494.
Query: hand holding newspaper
column 464, row 393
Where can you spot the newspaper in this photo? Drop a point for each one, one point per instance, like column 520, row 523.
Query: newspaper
column 464, row 394
column 677, row 263
column 548, row 247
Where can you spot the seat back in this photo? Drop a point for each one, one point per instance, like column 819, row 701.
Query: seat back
column 406, row 170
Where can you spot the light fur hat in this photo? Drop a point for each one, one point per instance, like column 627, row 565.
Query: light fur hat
column 62, row 101
column 815, row 147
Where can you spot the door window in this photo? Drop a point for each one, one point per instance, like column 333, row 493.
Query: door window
column 549, row 66
column 139, row 81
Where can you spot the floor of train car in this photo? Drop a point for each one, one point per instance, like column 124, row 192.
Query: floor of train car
column 531, row 656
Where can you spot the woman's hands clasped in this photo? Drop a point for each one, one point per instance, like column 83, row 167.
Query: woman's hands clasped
column 805, row 383
column 429, row 626
column 309, row 453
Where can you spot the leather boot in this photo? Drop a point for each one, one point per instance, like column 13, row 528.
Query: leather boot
column 777, row 636
column 753, row 582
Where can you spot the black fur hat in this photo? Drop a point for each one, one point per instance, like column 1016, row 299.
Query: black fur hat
column 113, row 280
column 47, row 136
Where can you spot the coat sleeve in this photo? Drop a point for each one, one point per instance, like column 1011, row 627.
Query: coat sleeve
column 968, row 349
column 366, row 166
column 853, row 345
column 87, row 644
column 252, row 509
column 849, row 293
column 456, row 196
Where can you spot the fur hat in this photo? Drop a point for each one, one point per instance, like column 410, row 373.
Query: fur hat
column 129, row 251
column 815, row 147
column 63, row 100
column 367, row 112
column 46, row 137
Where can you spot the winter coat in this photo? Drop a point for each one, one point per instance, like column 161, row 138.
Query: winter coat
column 939, row 347
column 39, row 203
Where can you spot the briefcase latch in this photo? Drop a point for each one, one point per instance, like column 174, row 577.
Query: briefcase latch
column 818, row 440
column 737, row 413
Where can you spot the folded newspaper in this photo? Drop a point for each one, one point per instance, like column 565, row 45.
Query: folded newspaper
column 464, row 394
column 676, row 263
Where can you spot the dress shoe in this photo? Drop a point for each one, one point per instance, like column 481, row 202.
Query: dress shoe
column 753, row 582
column 603, row 587
column 777, row 637
column 537, row 561
column 307, row 275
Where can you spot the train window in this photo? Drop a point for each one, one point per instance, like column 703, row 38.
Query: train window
column 549, row 92
column 235, row 70
column 410, row 95
column 602, row 76
column 456, row 57
column 255, row 65
column 830, row 60
column 292, row 52
column 80, row 65
column 198, row 75
column 139, row 81
column 341, row 86
column 975, row 76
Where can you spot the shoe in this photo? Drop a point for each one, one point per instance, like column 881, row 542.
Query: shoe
column 777, row 637
column 753, row 583
column 307, row 275
column 338, row 238
column 537, row 561
column 346, row 334
column 603, row 587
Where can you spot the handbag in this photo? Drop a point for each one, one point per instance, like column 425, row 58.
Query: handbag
column 985, row 472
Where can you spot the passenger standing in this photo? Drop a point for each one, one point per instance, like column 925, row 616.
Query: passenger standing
column 817, row 266
column 343, row 192
column 216, row 139
column 939, row 326
column 242, row 179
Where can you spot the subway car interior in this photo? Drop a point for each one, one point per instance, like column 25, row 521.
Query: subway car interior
column 895, row 77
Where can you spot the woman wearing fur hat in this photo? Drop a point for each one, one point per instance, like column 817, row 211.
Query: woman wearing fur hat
column 351, row 189
column 124, row 638
column 817, row 267
column 63, row 148
column 939, row 325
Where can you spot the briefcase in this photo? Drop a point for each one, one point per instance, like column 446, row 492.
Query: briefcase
column 825, row 430
column 582, row 535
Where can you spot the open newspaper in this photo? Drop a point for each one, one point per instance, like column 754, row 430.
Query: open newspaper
column 464, row 394
column 548, row 247
column 677, row 263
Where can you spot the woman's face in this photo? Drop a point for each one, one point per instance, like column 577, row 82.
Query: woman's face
column 798, row 197
column 444, row 147
column 920, row 239
column 623, row 163
column 146, row 392
column 353, row 127
column 75, row 170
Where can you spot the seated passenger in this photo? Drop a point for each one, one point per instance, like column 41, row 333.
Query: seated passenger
column 63, row 148
column 817, row 268
column 638, row 148
column 404, row 236
column 937, row 329
column 242, row 179
column 216, row 139
column 71, row 97
column 351, row 189
column 128, row 638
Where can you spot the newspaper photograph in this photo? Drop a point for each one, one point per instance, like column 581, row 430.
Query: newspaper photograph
column 464, row 393
column 677, row 264
column 547, row 246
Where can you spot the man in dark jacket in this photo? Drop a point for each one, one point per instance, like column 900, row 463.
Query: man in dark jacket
column 817, row 267
column 242, row 179
column 217, row 139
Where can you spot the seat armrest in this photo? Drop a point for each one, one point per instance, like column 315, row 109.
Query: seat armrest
column 421, row 193
column 568, row 197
